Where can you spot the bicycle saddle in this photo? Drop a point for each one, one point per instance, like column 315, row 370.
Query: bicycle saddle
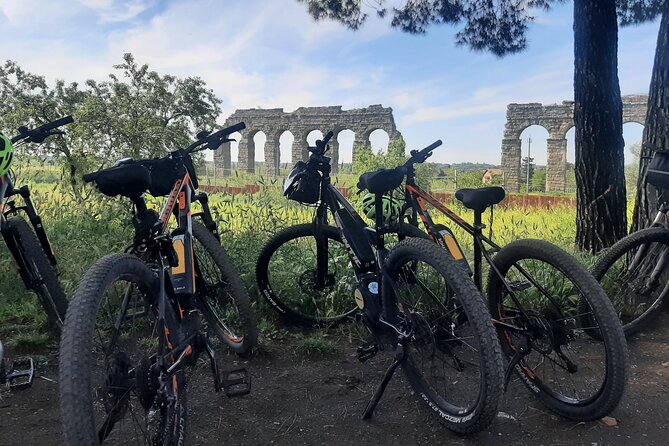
column 479, row 199
column 382, row 180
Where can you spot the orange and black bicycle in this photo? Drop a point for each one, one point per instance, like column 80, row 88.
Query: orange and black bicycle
column 139, row 321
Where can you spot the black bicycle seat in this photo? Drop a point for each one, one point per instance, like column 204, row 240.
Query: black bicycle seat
column 129, row 180
column 382, row 180
column 479, row 199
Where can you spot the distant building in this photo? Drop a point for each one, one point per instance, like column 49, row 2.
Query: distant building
column 489, row 174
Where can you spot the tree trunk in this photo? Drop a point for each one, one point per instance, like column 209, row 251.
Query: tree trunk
column 601, row 217
column 656, row 131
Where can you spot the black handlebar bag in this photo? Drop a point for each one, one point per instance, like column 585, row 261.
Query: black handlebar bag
column 658, row 170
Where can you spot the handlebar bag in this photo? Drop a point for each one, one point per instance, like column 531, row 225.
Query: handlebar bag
column 164, row 173
column 303, row 184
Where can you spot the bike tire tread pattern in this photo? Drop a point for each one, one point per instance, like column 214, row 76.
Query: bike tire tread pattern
column 33, row 251
column 492, row 366
column 75, row 363
column 617, row 369
column 648, row 235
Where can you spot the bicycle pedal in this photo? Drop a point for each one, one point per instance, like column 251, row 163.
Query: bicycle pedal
column 367, row 351
column 237, row 382
column 21, row 373
column 519, row 285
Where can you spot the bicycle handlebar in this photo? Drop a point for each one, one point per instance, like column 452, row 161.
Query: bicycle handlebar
column 214, row 140
column 419, row 156
column 39, row 134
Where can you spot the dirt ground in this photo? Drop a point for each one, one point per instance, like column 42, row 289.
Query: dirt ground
column 304, row 401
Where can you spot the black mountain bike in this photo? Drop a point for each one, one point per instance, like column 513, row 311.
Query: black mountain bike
column 28, row 244
column 635, row 271
column 138, row 322
column 412, row 297
column 554, row 321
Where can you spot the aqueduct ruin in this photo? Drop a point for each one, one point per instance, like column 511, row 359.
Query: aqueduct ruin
column 557, row 119
column 274, row 122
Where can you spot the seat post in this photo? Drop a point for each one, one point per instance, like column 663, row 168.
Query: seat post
column 478, row 233
column 378, row 209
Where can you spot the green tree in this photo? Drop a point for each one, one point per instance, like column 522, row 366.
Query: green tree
column 27, row 99
column 656, row 129
column 138, row 113
column 141, row 113
column 500, row 27
column 538, row 182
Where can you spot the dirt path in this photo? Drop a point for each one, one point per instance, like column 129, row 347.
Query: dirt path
column 300, row 401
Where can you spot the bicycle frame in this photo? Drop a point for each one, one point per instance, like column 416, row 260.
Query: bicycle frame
column 357, row 237
column 415, row 199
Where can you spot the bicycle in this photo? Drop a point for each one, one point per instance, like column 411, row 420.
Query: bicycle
column 412, row 297
column 539, row 325
column 551, row 315
column 634, row 272
column 134, row 332
column 29, row 244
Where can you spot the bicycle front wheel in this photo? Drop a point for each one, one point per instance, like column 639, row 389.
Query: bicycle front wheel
column 307, row 276
column 635, row 274
column 577, row 361
column 453, row 358
column 45, row 281
column 111, row 391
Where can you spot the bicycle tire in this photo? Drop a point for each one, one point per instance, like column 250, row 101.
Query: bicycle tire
column 610, row 330
column 286, row 310
column 234, row 287
column 615, row 253
column 77, row 346
column 470, row 300
column 50, row 294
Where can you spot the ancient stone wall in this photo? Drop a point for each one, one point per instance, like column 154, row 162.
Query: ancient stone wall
column 557, row 119
column 274, row 122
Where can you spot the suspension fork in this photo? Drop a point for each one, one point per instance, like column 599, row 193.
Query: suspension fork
column 35, row 221
column 322, row 253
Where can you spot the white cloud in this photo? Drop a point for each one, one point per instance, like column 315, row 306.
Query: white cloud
column 111, row 11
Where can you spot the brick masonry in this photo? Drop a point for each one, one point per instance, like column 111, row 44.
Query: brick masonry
column 301, row 122
column 557, row 119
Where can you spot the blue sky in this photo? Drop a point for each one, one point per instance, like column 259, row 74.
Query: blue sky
column 270, row 53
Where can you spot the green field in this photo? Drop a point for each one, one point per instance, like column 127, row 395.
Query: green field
column 83, row 231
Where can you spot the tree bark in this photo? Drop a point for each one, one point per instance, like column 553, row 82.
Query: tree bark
column 601, row 217
column 656, row 131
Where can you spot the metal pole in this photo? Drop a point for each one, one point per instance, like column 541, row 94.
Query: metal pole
column 527, row 175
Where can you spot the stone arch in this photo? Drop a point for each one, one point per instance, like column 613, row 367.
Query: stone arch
column 286, row 141
column 344, row 133
column 557, row 119
column 300, row 122
column 537, row 147
column 247, row 150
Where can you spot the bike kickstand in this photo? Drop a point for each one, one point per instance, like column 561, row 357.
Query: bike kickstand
column 522, row 350
column 374, row 401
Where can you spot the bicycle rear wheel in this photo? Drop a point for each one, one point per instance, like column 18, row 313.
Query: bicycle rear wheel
column 110, row 391
column 635, row 274
column 453, row 360
column 221, row 295
column 577, row 363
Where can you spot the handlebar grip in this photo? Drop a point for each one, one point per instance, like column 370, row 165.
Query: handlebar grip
column 328, row 137
column 55, row 124
column 232, row 129
column 432, row 146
